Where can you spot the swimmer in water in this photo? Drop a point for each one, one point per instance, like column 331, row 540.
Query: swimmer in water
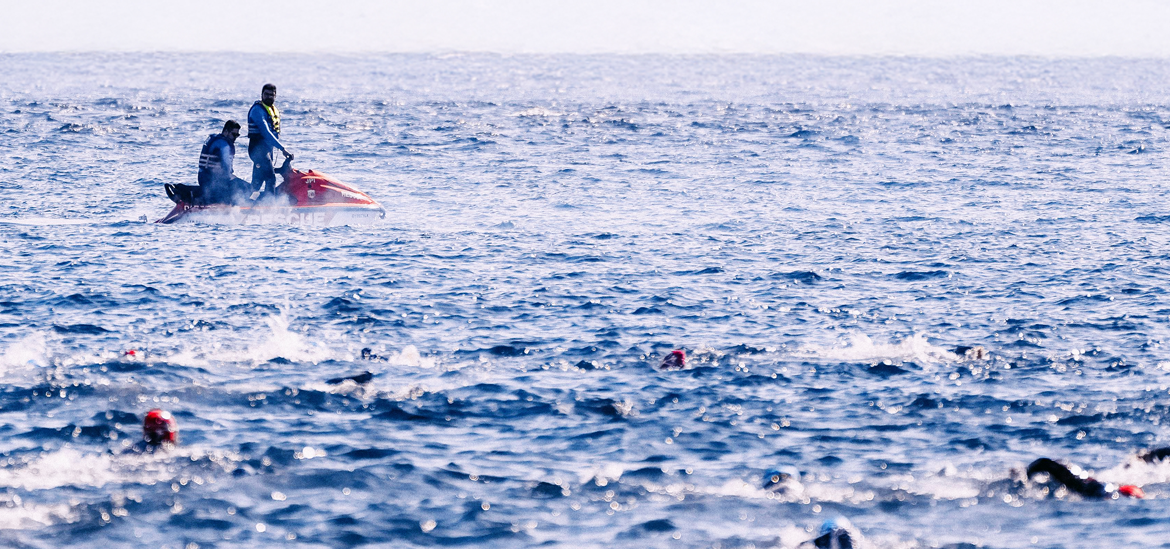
column 785, row 480
column 362, row 378
column 359, row 379
column 676, row 360
column 1077, row 480
column 159, row 430
column 1151, row 456
column 368, row 354
column 976, row 352
column 835, row 533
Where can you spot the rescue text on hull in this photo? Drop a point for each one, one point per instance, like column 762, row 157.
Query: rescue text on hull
column 304, row 198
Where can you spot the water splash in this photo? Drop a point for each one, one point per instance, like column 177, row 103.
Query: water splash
column 72, row 467
column 281, row 342
column 28, row 353
column 861, row 348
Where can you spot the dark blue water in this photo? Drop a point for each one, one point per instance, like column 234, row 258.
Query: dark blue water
column 817, row 233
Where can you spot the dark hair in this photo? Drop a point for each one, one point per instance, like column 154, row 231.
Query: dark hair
column 268, row 87
column 231, row 125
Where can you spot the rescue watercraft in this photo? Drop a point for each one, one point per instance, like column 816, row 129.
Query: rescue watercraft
column 304, row 198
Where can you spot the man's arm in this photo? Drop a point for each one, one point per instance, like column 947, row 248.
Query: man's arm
column 224, row 166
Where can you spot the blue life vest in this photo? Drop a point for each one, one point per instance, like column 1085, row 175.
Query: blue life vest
column 208, row 158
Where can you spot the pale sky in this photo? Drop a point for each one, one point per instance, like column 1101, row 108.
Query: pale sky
column 1132, row 28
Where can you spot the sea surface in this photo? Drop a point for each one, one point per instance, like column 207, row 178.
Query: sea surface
column 818, row 234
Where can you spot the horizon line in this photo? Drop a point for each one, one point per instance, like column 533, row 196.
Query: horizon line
column 615, row 53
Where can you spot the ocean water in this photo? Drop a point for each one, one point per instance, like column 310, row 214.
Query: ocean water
column 818, row 234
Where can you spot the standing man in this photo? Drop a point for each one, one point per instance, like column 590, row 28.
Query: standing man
column 217, row 183
column 264, row 138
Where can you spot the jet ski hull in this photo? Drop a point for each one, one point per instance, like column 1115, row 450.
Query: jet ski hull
column 306, row 198
column 314, row 216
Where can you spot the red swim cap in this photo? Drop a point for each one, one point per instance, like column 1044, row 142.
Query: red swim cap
column 676, row 360
column 1131, row 491
column 159, row 427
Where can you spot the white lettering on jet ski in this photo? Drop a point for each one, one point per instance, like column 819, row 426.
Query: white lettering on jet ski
column 293, row 218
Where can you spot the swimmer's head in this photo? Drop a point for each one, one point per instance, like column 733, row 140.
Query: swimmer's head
column 159, row 427
column 1132, row 491
column 783, row 476
column 676, row 360
column 837, row 523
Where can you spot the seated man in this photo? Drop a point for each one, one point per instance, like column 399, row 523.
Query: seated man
column 218, row 183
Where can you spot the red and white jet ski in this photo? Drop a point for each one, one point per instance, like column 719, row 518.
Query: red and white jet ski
column 304, row 198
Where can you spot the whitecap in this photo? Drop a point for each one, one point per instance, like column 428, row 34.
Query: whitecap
column 28, row 353
column 861, row 348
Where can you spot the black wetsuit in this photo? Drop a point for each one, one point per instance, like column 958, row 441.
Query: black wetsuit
column 1087, row 486
column 826, row 541
column 1155, row 455
column 360, row 379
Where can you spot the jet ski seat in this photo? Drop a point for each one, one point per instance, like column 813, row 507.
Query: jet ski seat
column 183, row 193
